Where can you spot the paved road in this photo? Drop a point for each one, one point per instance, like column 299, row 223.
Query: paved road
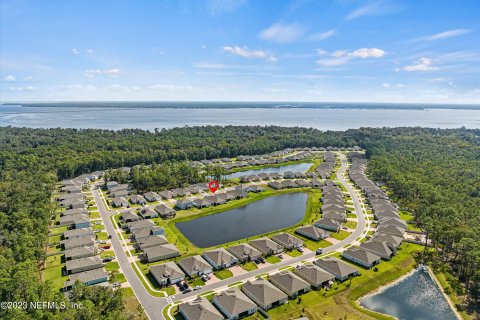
column 154, row 305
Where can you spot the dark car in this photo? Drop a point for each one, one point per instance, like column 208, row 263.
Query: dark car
column 319, row 251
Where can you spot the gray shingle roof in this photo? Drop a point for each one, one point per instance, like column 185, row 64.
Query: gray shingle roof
column 200, row 309
column 234, row 301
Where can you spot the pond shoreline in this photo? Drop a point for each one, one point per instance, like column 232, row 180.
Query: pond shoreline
column 392, row 283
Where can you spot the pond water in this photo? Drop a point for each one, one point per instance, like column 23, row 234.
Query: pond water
column 302, row 167
column 416, row 297
column 263, row 216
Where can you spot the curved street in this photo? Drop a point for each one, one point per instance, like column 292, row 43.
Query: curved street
column 154, row 306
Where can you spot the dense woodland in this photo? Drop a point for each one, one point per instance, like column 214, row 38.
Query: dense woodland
column 435, row 174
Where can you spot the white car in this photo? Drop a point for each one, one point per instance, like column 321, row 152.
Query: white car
column 197, row 287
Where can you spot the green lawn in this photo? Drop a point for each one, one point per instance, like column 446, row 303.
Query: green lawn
column 54, row 275
column 196, row 282
column 293, row 253
column 249, row 266
column 119, row 277
column 314, row 245
column 339, row 302
column 273, row 259
column 94, row 214
column 113, row 265
column 223, row 274
column 342, row 234
column 351, row 224
column 107, row 253
column 98, row 227
column 102, row 236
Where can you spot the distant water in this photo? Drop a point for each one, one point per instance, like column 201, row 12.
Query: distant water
column 323, row 117
column 302, row 167
column 416, row 297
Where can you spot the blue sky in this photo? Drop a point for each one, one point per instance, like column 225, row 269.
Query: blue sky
column 240, row 50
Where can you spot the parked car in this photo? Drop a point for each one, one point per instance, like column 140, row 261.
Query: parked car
column 319, row 251
column 109, row 236
column 107, row 246
column 187, row 290
column 102, row 241
column 204, row 278
column 185, row 285
column 197, row 287
column 300, row 249
column 262, row 259
column 280, row 256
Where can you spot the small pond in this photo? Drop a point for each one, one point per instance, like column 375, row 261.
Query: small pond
column 302, row 167
column 262, row 216
column 416, row 297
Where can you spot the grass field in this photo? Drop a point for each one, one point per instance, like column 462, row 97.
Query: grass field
column 223, row 274
column 342, row 234
column 273, row 259
column 351, row 224
column 249, row 266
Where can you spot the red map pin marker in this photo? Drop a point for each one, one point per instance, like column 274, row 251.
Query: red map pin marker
column 213, row 186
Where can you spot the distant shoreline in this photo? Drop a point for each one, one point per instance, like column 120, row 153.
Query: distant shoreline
column 243, row 105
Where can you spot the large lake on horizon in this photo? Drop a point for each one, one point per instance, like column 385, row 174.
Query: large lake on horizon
column 151, row 118
column 259, row 217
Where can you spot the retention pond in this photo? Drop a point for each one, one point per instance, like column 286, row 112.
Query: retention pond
column 263, row 216
column 415, row 297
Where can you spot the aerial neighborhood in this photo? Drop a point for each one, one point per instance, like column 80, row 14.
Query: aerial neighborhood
column 145, row 224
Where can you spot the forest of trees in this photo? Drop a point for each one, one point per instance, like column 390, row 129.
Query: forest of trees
column 433, row 173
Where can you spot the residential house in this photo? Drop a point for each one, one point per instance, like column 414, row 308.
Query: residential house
column 158, row 253
column 88, row 278
column 111, row 185
column 316, row 183
column 266, row 246
column 150, row 241
column 234, row 304
column 201, row 203
column 302, row 183
column 167, row 273
column 378, row 248
column 290, row 283
column 220, row 258
column 195, row 266
column 264, row 293
column 166, row 194
column 147, row 213
column 120, row 202
column 77, row 242
column 312, row 232
column 80, row 252
column 337, row 216
column 78, row 233
column 341, row 270
column 129, row 216
column 183, row 204
column 179, row 192
column 137, row 199
column 288, row 175
column 329, row 224
column 140, row 234
column 276, row 185
column 393, row 230
column 256, row 188
column 244, row 252
column 393, row 242
column 314, row 275
column 287, row 241
column 165, row 211
column 76, row 221
column 137, row 225
column 83, row 264
column 119, row 194
column 152, row 196
column 361, row 257
column 199, row 309
column 215, row 200
column 74, row 211
column 289, row 184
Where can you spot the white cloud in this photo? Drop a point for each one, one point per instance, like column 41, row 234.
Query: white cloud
column 170, row 88
column 273, row 90
column 422, row 64
column 282, row 33
column 368, row 53
column 386, row 85
column 368, row 9
column 26, row 88
column 27, row 79
column 448, row 34
column 340, row 57
column 89, row 51
column 219, row 6
column 400, row 85
column 75, row 87
column 75, row 52
column 112, row 73
column 321, row 52
column 209, row 65
column 246, row 53
column 9, row 78
column 322, row 35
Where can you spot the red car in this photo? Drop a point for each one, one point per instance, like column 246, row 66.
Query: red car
column 107, row 246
